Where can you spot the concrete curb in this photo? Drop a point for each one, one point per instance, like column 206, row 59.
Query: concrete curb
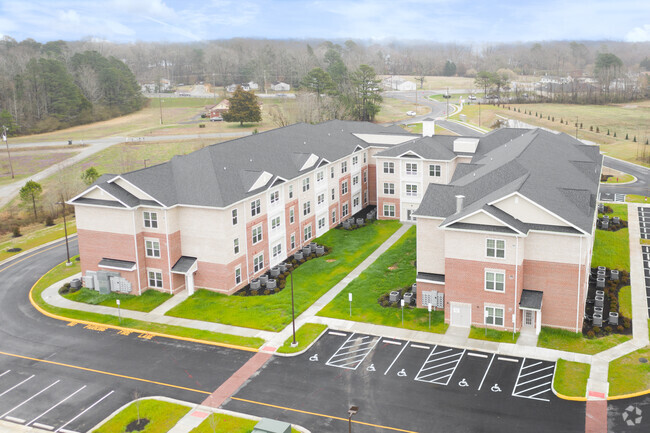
column 289, row 355
column 31, row 250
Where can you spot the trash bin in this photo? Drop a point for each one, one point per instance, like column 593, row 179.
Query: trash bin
column 69, row 142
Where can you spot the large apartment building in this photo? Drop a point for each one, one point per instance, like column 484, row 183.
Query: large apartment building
column 505, row 224
column 220, row 216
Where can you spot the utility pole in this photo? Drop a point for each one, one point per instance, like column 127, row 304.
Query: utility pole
column 4, row 137
column 576, row 127
column 160, row 105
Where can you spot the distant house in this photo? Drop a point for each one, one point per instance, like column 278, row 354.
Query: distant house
column 252, row 85
column 398, row 83
column 280, row 86
column 219, row 109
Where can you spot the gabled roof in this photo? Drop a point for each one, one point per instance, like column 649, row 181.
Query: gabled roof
column 557, row 173
column 224, row 173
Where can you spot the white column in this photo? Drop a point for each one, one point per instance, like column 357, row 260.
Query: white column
column 189, row 282
column 538, row 322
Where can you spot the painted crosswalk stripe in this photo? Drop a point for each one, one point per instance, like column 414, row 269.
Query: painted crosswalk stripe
column 440, row 366
column 534, row 379
column 353, row 352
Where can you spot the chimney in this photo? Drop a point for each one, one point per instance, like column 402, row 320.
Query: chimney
column 459, row 202
column 428, row 127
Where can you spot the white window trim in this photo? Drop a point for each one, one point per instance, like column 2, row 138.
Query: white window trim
column 494, row 307
column 495, row 272
column 236, row 246
column 261, row 234
column 439, row 170
column 411, row 194
column 292, row 240
column 235, row 217
column 292, row 215
column 276, row 250
column 389, row 167
column 277, row 226
column 388, row 207
column 304, row 232
column 159, row 271
column 495, row 248
column 408, row 172
column 262, row 264
column 151, row 221
column 257, row 207
column 153, row 249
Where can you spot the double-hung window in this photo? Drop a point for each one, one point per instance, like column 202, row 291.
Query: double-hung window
column 332, row 172
column 495, row 248
column 355, row 200
column 344, row 167
column 151, row 220
column 277, row 250
column 389, row 188
column 155, row 278
column 292, row 241
column 306, row 208
column 257, row 234
column 334, row 216
column 320, row 176
column 411, row 168
column 411, row 190
column 365, row 176
column 321, row 223
column 256, row 208
column 305, row 184
column 237, row 275
column 290, row 191
column 234, row 217
column 355, row 180
column 333, row 193
column 258, row 263
column 275, row 197
column 434, row 170
column 236, row 246
column 344, row 210
column 389, row 210
column 344, row 187
column 495, row 281
column 389, row 167
column 292, row 216
column 321, row 198
column 494, row 316
column 355, row 160
column 152, row 248
column 308, row 232
column 275, row 223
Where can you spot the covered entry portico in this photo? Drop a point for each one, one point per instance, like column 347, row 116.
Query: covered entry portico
column 531, row 306
column 186, row 266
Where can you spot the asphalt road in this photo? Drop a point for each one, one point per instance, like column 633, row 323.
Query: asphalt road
column 640, row 187
column 405, row 386
column 44, row 363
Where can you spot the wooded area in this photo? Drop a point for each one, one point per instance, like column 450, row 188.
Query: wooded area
column 44, row 87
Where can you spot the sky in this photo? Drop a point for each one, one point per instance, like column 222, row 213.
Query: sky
column 462, row 21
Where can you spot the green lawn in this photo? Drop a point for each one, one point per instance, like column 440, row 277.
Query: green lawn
column 627, row 374
column 493, row 335
column 625, row 301
column 393, row 269
column 145, row 302
column 620, row 179
column 632, row 198
column 571, row 378
column 312, row 279
column 34, row 238
column 612, row 249
column 162, row 417
column 227, row 424
column 304, row 337
column 62, row 271
column 561, row 339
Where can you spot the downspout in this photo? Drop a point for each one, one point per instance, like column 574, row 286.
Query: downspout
column 169, row 260
column 514, row 314
column 135, row 245
column 579, row 285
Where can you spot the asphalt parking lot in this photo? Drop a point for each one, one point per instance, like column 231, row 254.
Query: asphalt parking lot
column 644, row 222
column 615, row 197
column 645, row 252
column 408, row 386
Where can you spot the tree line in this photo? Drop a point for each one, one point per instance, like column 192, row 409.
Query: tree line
column 44, row 87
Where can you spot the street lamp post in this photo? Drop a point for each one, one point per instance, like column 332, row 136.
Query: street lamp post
column 294, row 343
column 65, row 231
column 4, row 137
column 352, row 411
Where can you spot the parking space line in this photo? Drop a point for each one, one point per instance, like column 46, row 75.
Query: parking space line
column 44, row 413
column 532, row 365
column 478, row 355
column 33, row 396
column 43, row 426
column 338, row 334
column 536, row 379
column 536, row 371
column 16, row 386
column 418, row 346
column 61, row 429
column 5, row 373
column 486, row 372
column 534, row 387
column 342, row 358
column 397, row 343
column 501, row 358
column 545, row 379
column 400, row 352
column 14, row 419
column 435, row 377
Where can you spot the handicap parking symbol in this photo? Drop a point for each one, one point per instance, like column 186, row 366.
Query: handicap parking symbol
column 495, row 388
column 314, row 357
column 463, row 383
column 371, row 367
column 401, row 373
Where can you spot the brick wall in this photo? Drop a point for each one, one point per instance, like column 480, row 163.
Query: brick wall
column 372, row 184
column 380, row 207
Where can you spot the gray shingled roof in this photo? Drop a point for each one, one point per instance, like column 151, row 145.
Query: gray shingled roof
column 438, row 147
column 553, row 170
column 223, row 173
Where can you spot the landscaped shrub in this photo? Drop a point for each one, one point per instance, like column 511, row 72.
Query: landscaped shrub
column 608, row 329
column 591, row 128
column 627, row 136
column 614, row 134
column 16, row 232
column 620, row 328
column 596, row 330
column 49, row 222
column 597, row 130
column 591, row 334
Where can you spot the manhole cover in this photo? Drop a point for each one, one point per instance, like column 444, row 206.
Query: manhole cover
column 643, row 360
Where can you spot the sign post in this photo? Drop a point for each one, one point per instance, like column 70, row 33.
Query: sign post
column 429, row 307
column 402, row 304
column 485, row 317
column 119, row 315
column 350, row 299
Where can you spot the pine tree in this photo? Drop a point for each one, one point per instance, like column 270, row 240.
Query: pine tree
column 243, row 108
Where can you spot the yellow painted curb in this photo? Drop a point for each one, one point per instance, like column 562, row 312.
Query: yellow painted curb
column 634, row 394
column 121, row 328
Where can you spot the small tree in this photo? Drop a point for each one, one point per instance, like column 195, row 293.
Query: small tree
column 597, row 130
column 90, row 176
column 243, row 108
column 634, row 139
column 627, row 136
column 31, row 192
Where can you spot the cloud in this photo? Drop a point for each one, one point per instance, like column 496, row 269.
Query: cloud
column 639, row 34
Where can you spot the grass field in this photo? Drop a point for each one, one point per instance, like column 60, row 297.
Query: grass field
column 305, row 335
column 162, row 416
column 35, row 235
column 560, row 339
column 625, row 301
column 392, row 270
column 493, row 335
column 439, row 82
column 628, row 374
column 571, row 378
column 222, row 423
column 620, row 179
column 619, row 118
column 26, row 164
column 612, row 249
column 393, row 109
column 632, row 198
column 312, row 279
column 145, row 302
column 62, row 271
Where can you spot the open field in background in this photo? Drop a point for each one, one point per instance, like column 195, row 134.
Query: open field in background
column 26, row 163
column 416, row 128
column 393, row 109
column 34, row 235
column 631, row 119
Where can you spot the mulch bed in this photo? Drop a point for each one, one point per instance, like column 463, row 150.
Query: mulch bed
column 384, row 301
column 14, row 250
column 136, row 425
column 281, row 279
column 611, row 303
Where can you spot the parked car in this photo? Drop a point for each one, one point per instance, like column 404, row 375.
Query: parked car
column 410, row 113
column 471, row 98
column 491, row 97
column 216, row 119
